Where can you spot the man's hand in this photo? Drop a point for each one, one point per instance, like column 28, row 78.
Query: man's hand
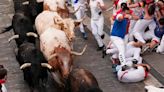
column 128, row 16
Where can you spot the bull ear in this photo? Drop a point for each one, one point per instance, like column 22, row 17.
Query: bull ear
column 46, row 7
column 58, row 20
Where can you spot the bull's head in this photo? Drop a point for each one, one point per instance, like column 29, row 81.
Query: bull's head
column 25, row 65
column 68, row 25
column 27, row 34
column 52, row 5
column 62, row 61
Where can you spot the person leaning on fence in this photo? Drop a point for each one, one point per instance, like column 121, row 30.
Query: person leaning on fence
column 3, row 77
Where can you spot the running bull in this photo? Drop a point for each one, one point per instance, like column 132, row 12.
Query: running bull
column 48, row 19
column 33, row 64
column 56, row 49
column 23, row 27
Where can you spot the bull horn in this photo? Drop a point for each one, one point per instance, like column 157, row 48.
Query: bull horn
column 73, row 12
column 80, row 20
column 81, row 53
column 46, row 65
column 25, row 3
column 25, row 65
column 13, row 37
column 54, row 55
column 32, row 34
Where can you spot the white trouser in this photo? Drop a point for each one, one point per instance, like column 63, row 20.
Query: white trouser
column 126, row 39
column 150, row 33
column 161, row 46
column 97, row 29
column 133, row 53
column 119, row 43
column 80, row 14
column 140, row 27
column 131, row 29
column 112, row 50
column 130, row 53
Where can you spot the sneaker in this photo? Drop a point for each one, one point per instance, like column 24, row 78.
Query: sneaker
column 125, row 67
column 100, row 48
column 103, row 36
column 84, row 35
column 114, row 68
column 135, row 61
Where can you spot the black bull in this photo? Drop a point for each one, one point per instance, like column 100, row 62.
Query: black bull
column 23, row 20
column 33, row 64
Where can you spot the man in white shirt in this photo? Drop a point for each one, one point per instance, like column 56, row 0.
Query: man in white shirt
column 97, row 21
column 80, row 5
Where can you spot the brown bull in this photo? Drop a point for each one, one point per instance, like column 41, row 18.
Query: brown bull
column 56, row 48
column 48, row 19
column 82, row 80
column 58, row 6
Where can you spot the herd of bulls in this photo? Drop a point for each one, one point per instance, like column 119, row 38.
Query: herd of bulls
column 44, row 34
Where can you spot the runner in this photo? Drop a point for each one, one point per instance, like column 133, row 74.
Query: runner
column 97, row 21
column 80, row 14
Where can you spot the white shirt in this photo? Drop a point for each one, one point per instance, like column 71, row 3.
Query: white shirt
column 132, row 75
column 95, row 10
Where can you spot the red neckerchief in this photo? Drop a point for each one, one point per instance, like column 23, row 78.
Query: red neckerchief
column 2, row 81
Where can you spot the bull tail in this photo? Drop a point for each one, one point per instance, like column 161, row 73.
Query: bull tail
column 7, row 29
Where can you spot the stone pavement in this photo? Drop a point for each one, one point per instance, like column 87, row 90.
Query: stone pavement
column 156, row 61
column 7, row 53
